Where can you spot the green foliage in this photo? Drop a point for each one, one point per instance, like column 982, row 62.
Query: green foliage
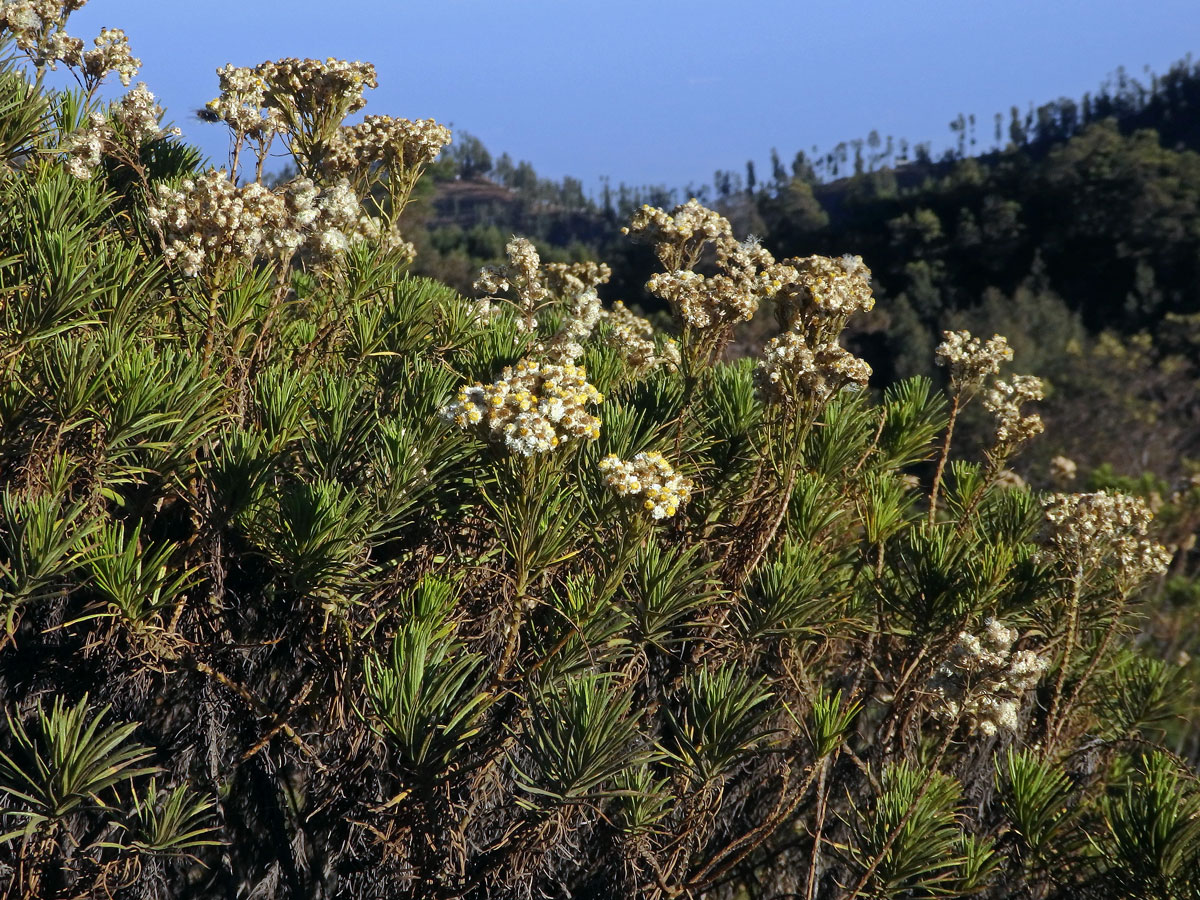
column 1153, row 826
column 581, row 738
column 1037, row 799
column 170, row 822
column 912, row 843
column 427, row 694
column 722, row 711
column 286, row 513
column 134, row 583
column 68, row 761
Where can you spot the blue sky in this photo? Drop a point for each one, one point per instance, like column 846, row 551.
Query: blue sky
column 663, row 91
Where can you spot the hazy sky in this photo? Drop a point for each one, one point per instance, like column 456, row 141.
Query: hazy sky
column 664, row 91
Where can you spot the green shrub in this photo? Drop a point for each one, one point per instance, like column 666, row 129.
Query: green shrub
column 321, row 580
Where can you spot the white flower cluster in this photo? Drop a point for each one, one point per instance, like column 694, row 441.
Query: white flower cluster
column 1004, row 401
column 521, row 275
column 713, row 301
column 111, row 53
column 1008, row 480
column 304, row 100
column 818, row 294
column 790, row 369
column 1063, row 470
column 138, row 115
column 746, row 272
column 969, row 359
column 383, row 140
column 242, row 103
column 650, row 476
column 85, row 148
column 680, row 235
column 535, row 284
column 1105, row 529
column 569, row 279
column 566, row 346
column 36, row 27
column 209, row 220
column 131, row 122
column 340, row 221
column 634, row 338
column 532, row 408
column 984, row 682
column 303, row 87
column 823, row 287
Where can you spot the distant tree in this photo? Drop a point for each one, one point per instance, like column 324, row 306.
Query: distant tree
column 802, row 168
column 504, row 170
column 778, row 172
column 469, row 155
column 1016, row 130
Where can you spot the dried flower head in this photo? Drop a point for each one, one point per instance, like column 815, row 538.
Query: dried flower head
column 522, row 275
column 577, row 326
column 969, row 359
column 1102, row 529
column 242, row 103
column 745, row 272
column 634, row 339
column 336, row 219
column 823, row 287
column 209, row 221
column 1005, row 400
column 531, row 408
column 569, row 279
column 790, row 370
column 312, row 98
column 649, row 478
column 1009, row 480
column 1063, row 470
column 133, row 121
column 678, row 237
column 984, row 682
column 36, row 27
column 111, row 53
column 398, row 145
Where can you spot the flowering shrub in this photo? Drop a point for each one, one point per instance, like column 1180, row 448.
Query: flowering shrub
column 321, row 580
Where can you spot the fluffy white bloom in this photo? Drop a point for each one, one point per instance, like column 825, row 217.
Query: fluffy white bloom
column 822, row 287
column 36, row 27
column 789, row 369
column 531, row 408
column 1105, row 529
column 984, row 682
column 745, row 272
column 648, row 475
column 634, row 338
column 522, row 274
column 132, row 122
column 570, row 279
column 111, row 53
column 383, row 140
column 969, row 359
column 1005, row 400
column 1063, row 470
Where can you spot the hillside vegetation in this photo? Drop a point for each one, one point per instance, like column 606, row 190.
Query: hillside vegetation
column 1078, row 240
column 320, row 579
